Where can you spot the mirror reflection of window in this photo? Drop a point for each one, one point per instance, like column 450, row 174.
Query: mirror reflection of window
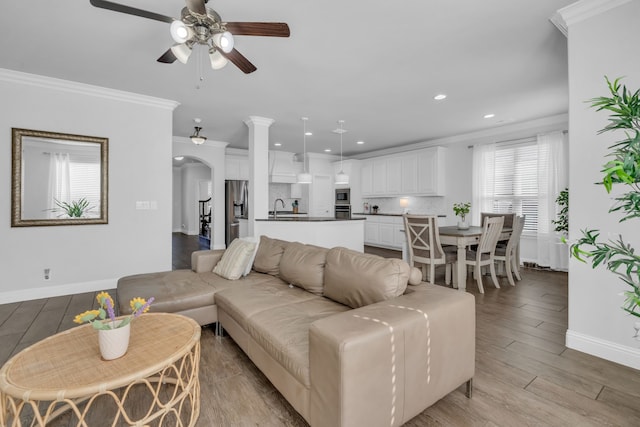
column 61, row 178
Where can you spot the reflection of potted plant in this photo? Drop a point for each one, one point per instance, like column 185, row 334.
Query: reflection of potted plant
column 76, row 209
column 461, row 210
column 375, row 209
column 623, row 168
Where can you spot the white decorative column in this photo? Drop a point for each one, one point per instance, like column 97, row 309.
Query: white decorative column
column 258, row 168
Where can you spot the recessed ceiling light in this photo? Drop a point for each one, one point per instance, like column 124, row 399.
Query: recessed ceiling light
column 360, row 142
column 308, row 133
column 327, row 150
column 489, row 116
column 278, row 144
column 440, row 97
column 178, row 158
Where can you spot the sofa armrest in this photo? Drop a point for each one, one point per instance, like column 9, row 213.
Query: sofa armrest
column 382, row 364
column 204, row 261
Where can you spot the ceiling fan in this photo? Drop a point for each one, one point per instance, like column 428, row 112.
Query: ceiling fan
column 199, row 24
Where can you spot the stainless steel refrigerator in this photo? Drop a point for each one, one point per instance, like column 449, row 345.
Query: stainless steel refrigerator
column 236, row 206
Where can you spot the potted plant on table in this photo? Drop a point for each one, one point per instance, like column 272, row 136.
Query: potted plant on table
column 622, row 168
column 113, row 334
column 461, row 210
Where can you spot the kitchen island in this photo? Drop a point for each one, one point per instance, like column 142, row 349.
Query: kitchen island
column 327, row 232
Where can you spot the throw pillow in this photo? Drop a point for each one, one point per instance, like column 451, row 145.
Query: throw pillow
column 235, row 259
column 268, row 256
column 303, row 266
column 356, row 279
column 247, row 270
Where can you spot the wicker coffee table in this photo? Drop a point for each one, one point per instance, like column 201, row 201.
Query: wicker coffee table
column 63, row 377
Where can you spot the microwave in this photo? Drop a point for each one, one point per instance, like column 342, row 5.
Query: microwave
column 343, row 196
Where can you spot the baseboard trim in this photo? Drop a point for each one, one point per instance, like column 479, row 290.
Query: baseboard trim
column 56, row 291
column 614, row 352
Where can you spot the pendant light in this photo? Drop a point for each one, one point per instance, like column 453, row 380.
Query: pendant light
column 304, row 177
column 341, row 177
column 196, row 138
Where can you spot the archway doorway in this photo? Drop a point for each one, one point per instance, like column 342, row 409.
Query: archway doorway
column 192, row 209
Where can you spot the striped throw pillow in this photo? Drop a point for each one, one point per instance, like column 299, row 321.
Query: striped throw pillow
column 234, row 260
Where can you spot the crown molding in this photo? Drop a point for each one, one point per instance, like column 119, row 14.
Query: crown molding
column 514, row 130
column 259, row 121
column 237, row 151
column 207, row 143
column 581, row 10
column 84, row 89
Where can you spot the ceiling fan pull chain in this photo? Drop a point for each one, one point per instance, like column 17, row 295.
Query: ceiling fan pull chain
column 199, row 68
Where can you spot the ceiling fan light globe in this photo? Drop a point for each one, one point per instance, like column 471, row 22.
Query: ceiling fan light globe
column 198, row 140
column 224, row 41
column 181, row 52
column 217, row 60
column 179, row 31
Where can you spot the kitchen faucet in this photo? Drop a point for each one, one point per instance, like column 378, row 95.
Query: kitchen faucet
column 275, row 210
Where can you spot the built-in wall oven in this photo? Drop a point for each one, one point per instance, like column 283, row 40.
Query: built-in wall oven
column 343, row 211
column 343, row 196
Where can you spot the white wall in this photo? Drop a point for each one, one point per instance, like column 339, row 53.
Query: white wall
column 598, row 46
column 89, row 257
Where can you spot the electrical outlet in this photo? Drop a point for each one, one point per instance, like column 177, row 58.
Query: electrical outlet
column 47, row 273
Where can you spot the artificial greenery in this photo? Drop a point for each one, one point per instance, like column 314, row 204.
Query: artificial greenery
column 622, row 168
column 461, row 209
column 562, row 221
column 75, row 209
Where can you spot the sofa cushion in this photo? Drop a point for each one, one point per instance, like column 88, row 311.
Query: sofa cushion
column 235, row 259
column 268, row 257
column 283, row 333
column 303, row 266
column 243, row 302
column 357, row 279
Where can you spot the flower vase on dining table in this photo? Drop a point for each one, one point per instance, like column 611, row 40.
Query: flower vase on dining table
column 462, row 224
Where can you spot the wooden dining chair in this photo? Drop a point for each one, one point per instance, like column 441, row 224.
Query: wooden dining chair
column 423, row 242
column 484, row 253
column 509, row 253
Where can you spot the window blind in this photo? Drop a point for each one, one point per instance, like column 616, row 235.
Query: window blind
column 516, row 172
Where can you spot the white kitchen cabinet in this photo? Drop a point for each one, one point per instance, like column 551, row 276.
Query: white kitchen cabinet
column 414, row 173
column 384, row 231
column 379, row 178
column 371, row 233
column 236, row 167
column 394, row 175
column 366, row 178
column 430, row 173
column 409, row 174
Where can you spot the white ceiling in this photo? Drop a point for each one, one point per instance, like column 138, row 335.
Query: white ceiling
column 374, row 64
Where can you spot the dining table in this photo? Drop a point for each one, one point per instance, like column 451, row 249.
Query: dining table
column 462, row 238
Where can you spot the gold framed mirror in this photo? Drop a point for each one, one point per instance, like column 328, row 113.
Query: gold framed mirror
column 58, row 179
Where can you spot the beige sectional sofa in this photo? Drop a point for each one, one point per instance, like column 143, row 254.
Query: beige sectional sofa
column 339, row 333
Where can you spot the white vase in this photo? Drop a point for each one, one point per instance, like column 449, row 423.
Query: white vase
column 114, row 342
column 462, row 225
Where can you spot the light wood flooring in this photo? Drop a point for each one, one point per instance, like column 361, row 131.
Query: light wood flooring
column 525, row 376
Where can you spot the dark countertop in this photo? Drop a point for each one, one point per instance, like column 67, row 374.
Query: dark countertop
column 393, row 214
column 310, row 219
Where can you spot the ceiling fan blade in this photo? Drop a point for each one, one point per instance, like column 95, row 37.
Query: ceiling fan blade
column 269, row 29
column 168, row 57
column 103, row 4
column 239, row 61
column 196, row 6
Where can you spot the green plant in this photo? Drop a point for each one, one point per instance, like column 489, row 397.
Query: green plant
column 461, row 209
column 622, row 168
column 75, row 209
column 562, row 221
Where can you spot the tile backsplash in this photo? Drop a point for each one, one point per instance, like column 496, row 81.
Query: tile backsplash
column 283, row 191
column 417, row 205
